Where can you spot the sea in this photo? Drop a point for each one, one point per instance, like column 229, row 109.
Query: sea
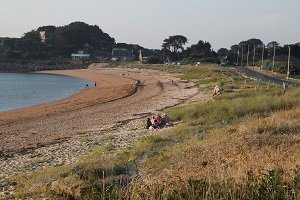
column 21, row 90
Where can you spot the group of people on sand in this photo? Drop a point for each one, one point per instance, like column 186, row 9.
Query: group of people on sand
column 87, row 85
column 157, row 122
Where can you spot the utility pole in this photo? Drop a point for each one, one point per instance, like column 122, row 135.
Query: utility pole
column 141, row 56
column 262, row 57
column 289, row 58
column 238, row 54
column 254, row 56
column 273, row 58
column 248, row 56
column 242, row 57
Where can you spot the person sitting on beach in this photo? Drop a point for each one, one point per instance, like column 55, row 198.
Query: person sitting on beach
column 216, row 91
column 156, row 124
column 153, row 119
column 148, row 124
column 158, row 121
column 166, row 121
column 86, row 86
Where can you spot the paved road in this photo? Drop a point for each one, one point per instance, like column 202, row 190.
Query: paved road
column 259, row 76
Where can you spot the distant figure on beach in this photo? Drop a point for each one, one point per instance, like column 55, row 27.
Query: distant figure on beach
column 152, row 119
column 86, row 86
column 95, row 84
column 148, row 123
column 166, row 121
column 158, row 121
column 216, row 91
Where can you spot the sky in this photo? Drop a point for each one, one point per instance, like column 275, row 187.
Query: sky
column 148, row 22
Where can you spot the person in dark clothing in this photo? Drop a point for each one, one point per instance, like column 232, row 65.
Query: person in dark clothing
column 148, row 124
column 158, row 121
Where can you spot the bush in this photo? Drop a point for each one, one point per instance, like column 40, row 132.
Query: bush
column 279, row 66
column 154, row 60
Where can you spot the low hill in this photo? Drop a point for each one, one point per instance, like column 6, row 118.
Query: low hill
column 51, row 41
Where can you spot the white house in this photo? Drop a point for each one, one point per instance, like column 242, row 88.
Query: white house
column 80, row 56
column 43, row 36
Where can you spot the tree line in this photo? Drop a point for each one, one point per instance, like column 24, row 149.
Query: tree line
column 60, row 42
column 173, row 48
column 252, row 52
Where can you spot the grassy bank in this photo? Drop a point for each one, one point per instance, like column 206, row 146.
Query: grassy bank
column 244, row 144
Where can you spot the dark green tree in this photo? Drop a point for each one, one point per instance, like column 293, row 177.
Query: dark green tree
column 223, row 52
column 201, row 50
column 174, row 43
column 270, row 49
column 29, row 46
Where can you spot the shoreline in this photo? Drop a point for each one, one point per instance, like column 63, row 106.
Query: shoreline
column 120, row 95
column 38, row 137
column 109, row 88
column 76, row 73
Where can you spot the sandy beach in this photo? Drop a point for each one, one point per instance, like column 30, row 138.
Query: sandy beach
column 112, row 113
column 120, row 95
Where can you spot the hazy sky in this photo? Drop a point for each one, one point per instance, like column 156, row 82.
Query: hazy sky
column 149, row 22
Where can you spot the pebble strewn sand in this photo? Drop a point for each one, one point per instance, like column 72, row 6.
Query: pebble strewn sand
column 60, row 132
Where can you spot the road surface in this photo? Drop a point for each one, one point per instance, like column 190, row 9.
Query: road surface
column 263, row 77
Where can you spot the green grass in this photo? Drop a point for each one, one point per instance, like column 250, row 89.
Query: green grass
column 166, row 68
column 231, row 107
column 39, row 161
column 108, row 137
column 85, row 139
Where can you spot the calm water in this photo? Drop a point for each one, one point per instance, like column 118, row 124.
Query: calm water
column 23, row 90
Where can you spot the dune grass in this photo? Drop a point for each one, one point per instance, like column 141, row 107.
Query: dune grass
column 242, row 145
column 230, row 107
